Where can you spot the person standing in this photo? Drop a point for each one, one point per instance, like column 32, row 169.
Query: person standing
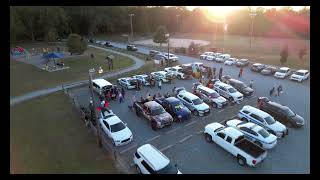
column 214, row 72
column 120, row 98
column 159, row 84
column 251, row 84
column 173, row 90
column 111, row 60
column 123, row 92
column 220, row 73
column 279, row 90
column 240, row 72
column 271, row 91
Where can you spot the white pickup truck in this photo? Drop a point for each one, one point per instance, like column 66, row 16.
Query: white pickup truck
column 233, row 141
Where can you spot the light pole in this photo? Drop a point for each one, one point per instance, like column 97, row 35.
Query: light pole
column 252, row 15
column 168, row 37
column 178, row 27
column 131, row 15
column 92, row 71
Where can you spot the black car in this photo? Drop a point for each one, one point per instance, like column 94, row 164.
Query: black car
column 242, row 63
column 241, row 87
column 175, row 108
column 257, row 67
column 108, row 44
column 270, row 70
column 281, row 113
column 132, row 48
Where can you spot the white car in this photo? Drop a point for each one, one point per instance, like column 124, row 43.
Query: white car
column 231, row 61
column 207, row 56
column 160, row 75
column 193, row 103
column 114, row 128
column 127, row 82
column 254, row 133
column 171, row 57
column 219, row 60
column 282, row 73
column 263, row 119
column 228, row 92
column 143, row 78
column 176, row 71
column 300, row 75
column 210, row 96
column 225, row 56
column 149, row 160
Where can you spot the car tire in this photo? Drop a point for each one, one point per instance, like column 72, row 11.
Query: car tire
column 208, row 137
column 258, row 143
column 138, row 169
column 154, row 125
column 195, row 112
column 241, row 160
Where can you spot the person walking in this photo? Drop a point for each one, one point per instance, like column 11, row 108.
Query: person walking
column 154, row 97
column 251, row 84
column 214, row 72
column 220, row 73
column 111, row 60
column 279, row 90
column 120, row 98
column 159, row 84
column 240, row 72
column 123, row 92
column 173, row 90
column 271, row 91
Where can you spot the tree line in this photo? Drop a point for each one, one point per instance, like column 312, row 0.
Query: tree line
column 50, row 23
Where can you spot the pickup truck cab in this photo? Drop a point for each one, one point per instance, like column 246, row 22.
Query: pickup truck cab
column 233, row 141
column 143, row 78
column 228, row 92
column 300, row 75
column 176, row 71
column 254, row 133
column 282, row 73
column 263, row 119
column 175, row 108
column 210, row 96
column 153, row 112
column 193, row 103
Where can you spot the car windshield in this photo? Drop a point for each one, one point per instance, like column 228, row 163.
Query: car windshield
column 264, row 133
column 270, row 120
column 169, row 169
column 214, row 95
column 282, row 71
column 158, row 111
column 197, row 101
column 117, row 127
column 299, row 73
column 232, row 90
column 290, row 113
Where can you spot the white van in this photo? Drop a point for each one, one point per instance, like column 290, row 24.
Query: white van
column 149, row 160
column 101, row 85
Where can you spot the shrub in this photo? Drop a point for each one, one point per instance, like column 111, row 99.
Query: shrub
column 76, row 44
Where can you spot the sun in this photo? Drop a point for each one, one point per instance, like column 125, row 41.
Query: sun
column 219, row 13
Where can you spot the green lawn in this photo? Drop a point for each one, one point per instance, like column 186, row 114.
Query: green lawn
column 25, row 78
column 47, row 136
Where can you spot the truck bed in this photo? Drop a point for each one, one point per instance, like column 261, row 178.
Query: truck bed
column 250, row 148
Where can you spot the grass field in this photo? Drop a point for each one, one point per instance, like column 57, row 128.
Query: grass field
column 25, row 78
column 47, row 136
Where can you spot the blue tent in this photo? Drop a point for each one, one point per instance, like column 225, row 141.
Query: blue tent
column 53, row 55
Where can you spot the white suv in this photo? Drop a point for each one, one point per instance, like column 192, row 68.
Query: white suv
column 228, row 92
column 193, row 103
column 149, row 160
column 300, row 75
column 176, row 71
column 207, row 56
column 282, row 73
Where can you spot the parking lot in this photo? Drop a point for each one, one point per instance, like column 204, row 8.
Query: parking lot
column 184, row 143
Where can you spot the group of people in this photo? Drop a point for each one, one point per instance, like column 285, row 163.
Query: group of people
column 109, row 62
column 112, row 94
column 279, row 91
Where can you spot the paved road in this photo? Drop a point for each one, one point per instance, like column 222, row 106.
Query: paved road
column 138, row 63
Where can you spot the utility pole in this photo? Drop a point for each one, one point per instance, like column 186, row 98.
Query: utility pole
column 91, row 71
column 178, row 27
column 131, row 15
column 252, row 15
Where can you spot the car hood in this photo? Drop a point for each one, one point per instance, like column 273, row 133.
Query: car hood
column 164, row 117
column 298, row 119
column 279, row 74
column 233, row 123
column 202, row 107
column 296, row 76
column 122, row 135
column 183, row 112
column 248, row 89
column 270, row 138
column 236, row 94
column 219, row 99
column 277, row 127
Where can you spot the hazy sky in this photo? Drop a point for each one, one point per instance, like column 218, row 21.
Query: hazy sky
column 237, row 7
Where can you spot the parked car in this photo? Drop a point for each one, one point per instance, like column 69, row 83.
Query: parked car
column 219, row 59
column 210, row 96
column 143, row 78
column 300, row 75
column 224, row 56
column 233, row 141
column 175, row 108
column 225, row 78
column 254, row 133
column 127, row 82
column 101, row 85
column 177, row 90
column 149, row 160
column 108, row 44
column 207, row 56
column 282, row 73
column 257, row 67
column 152, row 53
column 153, row 112
column 241, row 87
column 282, row 113
column 269, row 70
column 228, row 92
column 161, row 76
column 131, row 47
column 176, row 71
column 242, row 63
column 194, row 103
column 114, row 128
column 230, row 61
column 265, row 120
column 172, row 57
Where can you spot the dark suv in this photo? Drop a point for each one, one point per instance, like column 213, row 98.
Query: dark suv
column 279, row 112
column 241, row 87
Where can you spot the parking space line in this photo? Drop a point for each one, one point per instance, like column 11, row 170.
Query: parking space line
column 190, row 123
column 131, row 147
column 221, row 110
column 167, row 147
column 199, row 132
column 151, row 139
column 186, row 138
column 172, row 130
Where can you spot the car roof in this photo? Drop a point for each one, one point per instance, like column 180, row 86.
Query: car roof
column 152, row 104
column 222, row 84
column 257, row 64
column 284, row 68
column 232, row 132
column 206, row 89
column 127, row 78
column 252, row 126
column 189, row 95
column 255, row 111
column 156, row 159
column 280, row 106
column 302, row 70
column 236, row 81
column 172, row 99
column 162, row 72
column 113, row 120
column 102, row 82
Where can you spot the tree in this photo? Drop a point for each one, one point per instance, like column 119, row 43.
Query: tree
column 194, row 48
column 284, row 54
column 76, row 44
column 160, row 35
column 302, row 52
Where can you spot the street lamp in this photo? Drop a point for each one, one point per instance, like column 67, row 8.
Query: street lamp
column 91, row 72
column 252, row 15
column 131, row 15
column 168, row 37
